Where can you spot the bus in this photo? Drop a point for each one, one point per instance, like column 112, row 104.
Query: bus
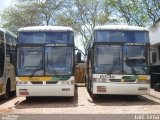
column 45, row 61
column 117, row 61
column 7, row 63
column 155, row 56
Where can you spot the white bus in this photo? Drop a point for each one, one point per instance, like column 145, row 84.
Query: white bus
column 45, row 61
column 7, row 63
column 117, row 61
column 155, row 55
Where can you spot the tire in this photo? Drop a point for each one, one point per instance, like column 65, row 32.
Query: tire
column 93, row 96
column 7, row 91
column 28, row 98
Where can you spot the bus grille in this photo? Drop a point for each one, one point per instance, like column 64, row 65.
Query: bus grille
column 115, row 80
column 37, row 82
column 51, row 82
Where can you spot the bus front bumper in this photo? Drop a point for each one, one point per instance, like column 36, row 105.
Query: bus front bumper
column 121, row 89
column 47, row 90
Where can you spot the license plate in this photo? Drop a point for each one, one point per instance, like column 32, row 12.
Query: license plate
column 101, row 89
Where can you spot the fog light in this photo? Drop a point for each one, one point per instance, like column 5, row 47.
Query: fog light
column 142, row 88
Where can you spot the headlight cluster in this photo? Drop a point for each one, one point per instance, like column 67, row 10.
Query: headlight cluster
column 21, row 82
column 67, row 82
column 100, row 80
column 143, row 79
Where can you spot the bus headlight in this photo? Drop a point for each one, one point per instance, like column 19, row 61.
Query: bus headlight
column 100, row 80
column 66, row 82
column 144, row 79
column 21, row 82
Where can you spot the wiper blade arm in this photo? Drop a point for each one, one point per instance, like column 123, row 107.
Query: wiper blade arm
column 34, row 71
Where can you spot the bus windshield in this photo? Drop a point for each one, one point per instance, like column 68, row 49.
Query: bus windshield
column 57, row 61
column 122, row 36
column 116, row 59
column 30, row 61
column 108, row 59
column 46, row 37
column 134, row 60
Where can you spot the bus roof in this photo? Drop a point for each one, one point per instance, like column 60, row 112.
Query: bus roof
column 120, row 27
column 45, row 28
column 7, row 32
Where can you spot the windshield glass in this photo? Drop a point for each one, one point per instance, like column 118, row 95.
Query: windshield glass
column 108, row 59
column 30, row 61
column 122, row 36
column 134, row 60
column 46, row 37
column 58, row 60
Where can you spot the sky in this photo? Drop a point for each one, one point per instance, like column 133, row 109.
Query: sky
column 5, row 3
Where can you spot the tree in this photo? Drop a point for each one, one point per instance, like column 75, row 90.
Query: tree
column 30, row 13
column 138, row 12
column 83, row 16
column 20, row 16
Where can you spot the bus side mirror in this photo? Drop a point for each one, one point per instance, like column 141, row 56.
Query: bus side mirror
column 78, row 57
column 154, row 57
column 159, row 52
column 12, row 58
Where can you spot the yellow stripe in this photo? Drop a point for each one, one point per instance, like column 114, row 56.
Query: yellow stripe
column 34, row 78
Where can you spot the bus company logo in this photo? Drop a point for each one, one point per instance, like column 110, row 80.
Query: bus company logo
column 56, row 45
column 107, row 76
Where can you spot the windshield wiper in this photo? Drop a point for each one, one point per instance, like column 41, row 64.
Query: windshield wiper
column 34, row 71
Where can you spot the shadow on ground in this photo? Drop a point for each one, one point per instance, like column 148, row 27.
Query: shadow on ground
column 12, row 96
column 122, row 100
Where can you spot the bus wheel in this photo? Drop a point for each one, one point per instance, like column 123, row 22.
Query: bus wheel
column 7, row 92
column 93, row 96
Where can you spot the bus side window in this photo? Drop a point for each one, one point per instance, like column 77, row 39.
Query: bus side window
column 1, row 53
column 7, row 50
column 12, row 55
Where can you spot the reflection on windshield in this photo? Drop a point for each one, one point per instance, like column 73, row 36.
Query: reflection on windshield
column 58, row 61
column 108, row 59
column 30, row 61
column 134, row 60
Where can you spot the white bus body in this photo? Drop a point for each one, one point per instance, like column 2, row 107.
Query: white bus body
column 7, row 63
column 111, row 60
column 62, row 81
